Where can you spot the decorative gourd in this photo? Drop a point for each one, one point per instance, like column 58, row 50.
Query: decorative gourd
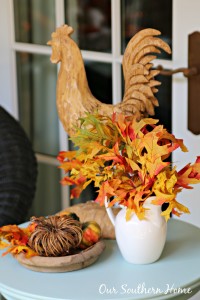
column 70, row 214
column 91, row 234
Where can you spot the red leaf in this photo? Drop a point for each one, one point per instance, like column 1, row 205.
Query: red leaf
column 190, row 174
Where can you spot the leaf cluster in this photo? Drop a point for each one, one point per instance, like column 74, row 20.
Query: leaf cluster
column 128, row 162
column 15, row 239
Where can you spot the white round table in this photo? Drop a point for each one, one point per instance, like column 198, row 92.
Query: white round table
column 178, row 270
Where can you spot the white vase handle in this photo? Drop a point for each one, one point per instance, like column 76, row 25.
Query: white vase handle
column 109, row 211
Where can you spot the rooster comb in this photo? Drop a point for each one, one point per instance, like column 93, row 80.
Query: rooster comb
column 62, row 32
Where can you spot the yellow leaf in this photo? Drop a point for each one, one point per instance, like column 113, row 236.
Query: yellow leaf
column 181, row 207
column 18, row 249
column 167, row 212
column 174, row 205
column 128, row 214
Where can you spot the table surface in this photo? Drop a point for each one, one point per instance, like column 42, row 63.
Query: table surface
column 111, row 277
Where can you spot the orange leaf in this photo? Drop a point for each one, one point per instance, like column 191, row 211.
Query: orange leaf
column 66, row 154
column 14, row 234
column 69, row 165
column 105, row 190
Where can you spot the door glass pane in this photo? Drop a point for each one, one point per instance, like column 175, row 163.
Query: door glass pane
column 48, row 194
column 34, row 20
column 91, row 21
column 141, row 14
column 99, row 77
column 37, row 101
column 164, row 111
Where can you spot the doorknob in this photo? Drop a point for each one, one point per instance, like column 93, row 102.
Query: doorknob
column 187, row 72
column 193, row 75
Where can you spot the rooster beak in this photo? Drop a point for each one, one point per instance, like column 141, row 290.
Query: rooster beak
column 49, row 43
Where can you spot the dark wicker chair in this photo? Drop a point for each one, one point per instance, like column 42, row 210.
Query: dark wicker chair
column 18, row 171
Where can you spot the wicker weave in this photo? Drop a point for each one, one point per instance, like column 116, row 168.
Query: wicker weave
column 18, row 171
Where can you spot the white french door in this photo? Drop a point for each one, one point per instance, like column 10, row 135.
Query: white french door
column 186, row 20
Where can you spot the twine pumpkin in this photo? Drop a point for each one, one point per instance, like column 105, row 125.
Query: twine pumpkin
column 55, row 235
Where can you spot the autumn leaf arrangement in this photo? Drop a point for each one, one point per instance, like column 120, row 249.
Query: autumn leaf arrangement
column 128, row 161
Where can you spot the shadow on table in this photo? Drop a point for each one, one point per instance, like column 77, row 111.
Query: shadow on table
column 108, row 252
column 172, row 247
column 179, row 247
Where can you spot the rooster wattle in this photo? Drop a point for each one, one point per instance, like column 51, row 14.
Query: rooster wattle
column 74, row 97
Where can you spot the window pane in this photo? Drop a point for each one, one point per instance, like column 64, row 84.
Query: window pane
column 99, row 77
column 37, row 101
column 91, row 20
column 48, row 195
column 141, row 14
column 34, row 20
column 164, row 96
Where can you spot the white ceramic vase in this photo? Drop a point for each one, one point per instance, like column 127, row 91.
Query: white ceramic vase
column 140, row 241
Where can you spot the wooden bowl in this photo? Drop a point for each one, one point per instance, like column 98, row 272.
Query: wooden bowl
column 64, row 263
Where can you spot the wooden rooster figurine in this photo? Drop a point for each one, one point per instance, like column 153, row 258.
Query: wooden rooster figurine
column 74, row 97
